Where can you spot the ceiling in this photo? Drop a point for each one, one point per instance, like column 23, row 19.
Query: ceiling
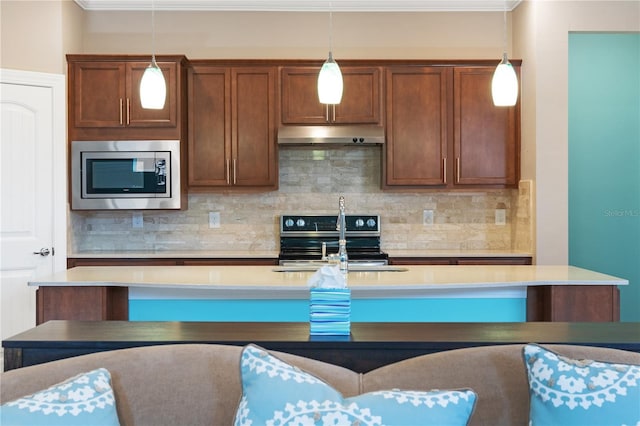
column 304, row 5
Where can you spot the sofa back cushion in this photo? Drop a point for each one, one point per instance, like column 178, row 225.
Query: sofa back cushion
column 496, row 373
column 276, row 392
column 166, row 384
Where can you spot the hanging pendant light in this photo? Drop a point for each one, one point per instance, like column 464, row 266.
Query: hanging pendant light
column 153, row 88
column 330, row 77
column 504, row 85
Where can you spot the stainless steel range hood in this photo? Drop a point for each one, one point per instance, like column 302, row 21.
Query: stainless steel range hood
column 331, row 135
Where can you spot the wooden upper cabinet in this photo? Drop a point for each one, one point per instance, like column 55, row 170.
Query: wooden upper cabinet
column 104, row 98
column 486, row 137
column 361, row 97
column 443, row 130
column 417, row 134
column 232, row 127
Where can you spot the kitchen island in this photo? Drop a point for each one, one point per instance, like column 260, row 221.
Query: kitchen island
column 266, row 293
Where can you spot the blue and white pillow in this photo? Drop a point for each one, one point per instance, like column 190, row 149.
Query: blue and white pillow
column 85, row 399
column 277, row 393
column 567, row 391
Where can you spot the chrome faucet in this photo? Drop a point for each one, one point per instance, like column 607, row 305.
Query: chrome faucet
column 341, row 227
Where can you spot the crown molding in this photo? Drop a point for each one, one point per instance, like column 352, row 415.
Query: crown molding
column 303, row 5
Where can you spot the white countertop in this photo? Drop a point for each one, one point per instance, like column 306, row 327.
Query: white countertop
column 264, row 282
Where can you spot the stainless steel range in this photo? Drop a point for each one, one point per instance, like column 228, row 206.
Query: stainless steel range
column 313, row 238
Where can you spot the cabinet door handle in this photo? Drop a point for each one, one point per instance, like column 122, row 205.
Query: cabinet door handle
column 444, row 170
column 121, row 111
column 228, row 171
column 234, row 171
column 128, row 111
column 326, row 113
column 333, row 110
column 458, row 170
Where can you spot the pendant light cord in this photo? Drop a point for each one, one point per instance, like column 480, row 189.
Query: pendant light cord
column 504, row 28
column 153, row 31
column 330, row 27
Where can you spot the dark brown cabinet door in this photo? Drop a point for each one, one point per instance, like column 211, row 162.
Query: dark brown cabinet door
column 99, row 94
column 486, row 145
column 232, row 127
column 417, row 134
column 361, row 97
column 253, row 129
column 209, row 126
column 140, row 117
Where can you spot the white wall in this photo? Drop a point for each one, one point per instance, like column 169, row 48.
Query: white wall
column 35, row 35
column 298, row 34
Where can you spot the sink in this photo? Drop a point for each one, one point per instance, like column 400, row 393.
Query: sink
column 357, row 267
column 378, row 268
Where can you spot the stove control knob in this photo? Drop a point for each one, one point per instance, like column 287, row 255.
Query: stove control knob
column 359, row 223
column 300, row 222
column 371, row 223
column 288, row 223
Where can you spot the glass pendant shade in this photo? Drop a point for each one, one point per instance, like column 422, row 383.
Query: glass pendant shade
column 153, row 89
column 504, row 85
column 330, row 82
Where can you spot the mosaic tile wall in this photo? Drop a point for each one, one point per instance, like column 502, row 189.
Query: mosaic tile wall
column 311, row 181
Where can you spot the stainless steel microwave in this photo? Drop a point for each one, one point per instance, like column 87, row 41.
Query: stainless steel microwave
column 122, row 175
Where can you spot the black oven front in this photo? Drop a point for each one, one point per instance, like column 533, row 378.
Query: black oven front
column 306, row 238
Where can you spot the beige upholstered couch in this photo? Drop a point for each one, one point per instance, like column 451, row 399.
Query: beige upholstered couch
column 200, row 384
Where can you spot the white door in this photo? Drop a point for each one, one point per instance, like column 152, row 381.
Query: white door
column 32, row 150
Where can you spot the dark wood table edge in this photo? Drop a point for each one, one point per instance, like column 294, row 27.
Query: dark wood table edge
column 356, row 352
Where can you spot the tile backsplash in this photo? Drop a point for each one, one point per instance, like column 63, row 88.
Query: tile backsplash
column 311, row 180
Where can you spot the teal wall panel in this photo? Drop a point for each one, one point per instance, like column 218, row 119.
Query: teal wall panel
column 362, row 310
column 604, row 159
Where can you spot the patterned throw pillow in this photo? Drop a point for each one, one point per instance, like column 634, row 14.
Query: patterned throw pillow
column 277, row 393
column 567, row 391
column 86, row 399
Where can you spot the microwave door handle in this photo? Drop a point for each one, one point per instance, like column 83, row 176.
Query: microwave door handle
column 161, row 172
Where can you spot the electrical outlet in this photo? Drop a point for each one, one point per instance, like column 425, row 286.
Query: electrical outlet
column 427, row 217
column 214, row 219
column 501, row 217
column 137, row 221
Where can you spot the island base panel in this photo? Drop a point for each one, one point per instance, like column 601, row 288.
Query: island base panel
column 87, row 303
column 574, row 303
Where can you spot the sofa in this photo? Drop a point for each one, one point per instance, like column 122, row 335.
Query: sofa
column 200, row 384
